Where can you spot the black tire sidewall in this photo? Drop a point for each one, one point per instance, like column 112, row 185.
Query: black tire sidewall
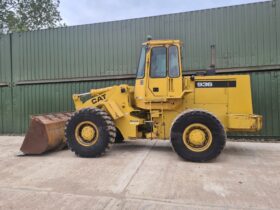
column 119, row 138
column 214, row 125
column 94, row 116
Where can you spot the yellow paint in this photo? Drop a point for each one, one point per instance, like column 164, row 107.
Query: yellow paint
column 163, row 99
column 197, row 137
column 86, row 133
column 113, row 108
column 241, row 122
column 169, row 88
column 118, row 102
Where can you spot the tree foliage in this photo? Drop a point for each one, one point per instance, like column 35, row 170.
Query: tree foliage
column 28, row 15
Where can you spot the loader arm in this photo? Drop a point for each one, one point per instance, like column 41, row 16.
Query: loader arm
column 117, row 101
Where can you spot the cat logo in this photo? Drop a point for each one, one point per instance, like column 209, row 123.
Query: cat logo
column 98, row 98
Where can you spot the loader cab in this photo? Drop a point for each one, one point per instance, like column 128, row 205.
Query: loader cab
column 159, row 74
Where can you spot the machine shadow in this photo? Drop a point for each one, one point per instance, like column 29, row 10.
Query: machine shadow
column 142, row 145
column 231, row 149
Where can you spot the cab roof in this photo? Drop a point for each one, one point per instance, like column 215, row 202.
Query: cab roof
column 162, row 42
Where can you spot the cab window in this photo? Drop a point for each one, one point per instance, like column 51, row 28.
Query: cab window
column 173, row 56
column 158, row 62
column 141, row 65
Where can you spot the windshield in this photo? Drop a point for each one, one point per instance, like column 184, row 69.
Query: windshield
column 141, row 66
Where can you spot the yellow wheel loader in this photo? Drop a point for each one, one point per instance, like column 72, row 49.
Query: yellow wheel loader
column 193, row 112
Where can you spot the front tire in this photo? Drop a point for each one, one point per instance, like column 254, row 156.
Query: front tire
column 89, row 132
column 197, row 136
column 119, row 138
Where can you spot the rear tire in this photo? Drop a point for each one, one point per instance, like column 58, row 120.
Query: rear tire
column 197, row 136
column 89, row 132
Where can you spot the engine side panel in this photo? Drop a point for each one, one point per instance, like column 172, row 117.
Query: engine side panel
column 228, row 97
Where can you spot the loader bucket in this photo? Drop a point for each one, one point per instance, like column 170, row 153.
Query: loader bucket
column 45, row 133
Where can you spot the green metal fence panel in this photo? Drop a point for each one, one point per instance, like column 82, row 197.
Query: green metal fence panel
column 277, row 12
column 244, row 35
column 45, row 98
column 74, row 52
column 5, row 60
column 6, row 112
column 266, row 98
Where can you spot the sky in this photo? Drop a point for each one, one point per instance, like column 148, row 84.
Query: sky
column 95, row 11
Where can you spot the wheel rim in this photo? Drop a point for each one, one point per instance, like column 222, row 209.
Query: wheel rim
column 86, row 133
column 197, row 137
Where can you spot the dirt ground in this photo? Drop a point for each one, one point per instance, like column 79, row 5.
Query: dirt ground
column 140, row 175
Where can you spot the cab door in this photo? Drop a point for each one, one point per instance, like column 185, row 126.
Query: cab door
column 158, row 81
column 165, row 74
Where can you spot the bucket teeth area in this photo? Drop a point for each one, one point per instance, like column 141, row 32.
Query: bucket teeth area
column 45, row 133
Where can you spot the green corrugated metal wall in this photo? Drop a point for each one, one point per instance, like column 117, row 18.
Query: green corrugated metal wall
column 266, row 100
column 5, row 60
column 246, row 37
column 277, row 11
column 6, row 113
column 243, row 35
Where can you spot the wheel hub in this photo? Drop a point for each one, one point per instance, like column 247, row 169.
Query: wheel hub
column 88, row 133
column 197, row 137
